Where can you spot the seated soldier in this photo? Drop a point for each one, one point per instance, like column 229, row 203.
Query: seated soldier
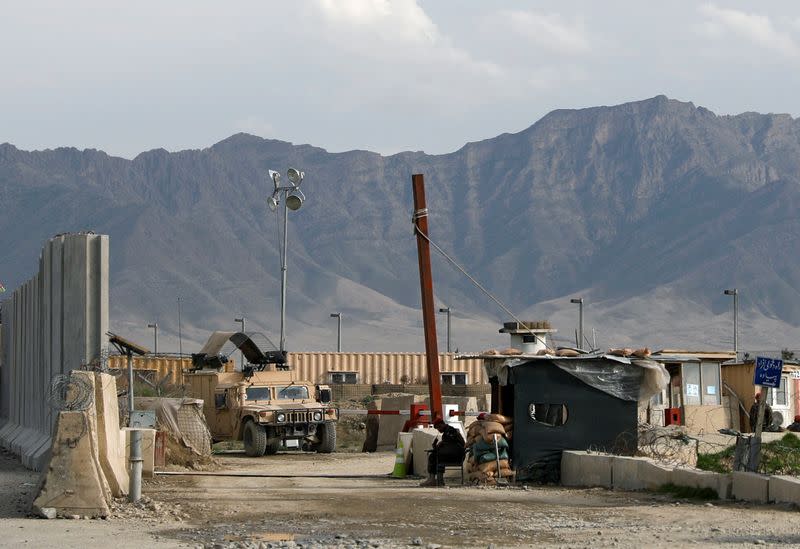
column 450, row 451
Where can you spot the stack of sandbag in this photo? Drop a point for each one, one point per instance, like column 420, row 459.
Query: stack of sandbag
column 482, row 460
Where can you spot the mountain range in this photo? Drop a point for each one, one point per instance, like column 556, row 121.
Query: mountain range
column 648, row 210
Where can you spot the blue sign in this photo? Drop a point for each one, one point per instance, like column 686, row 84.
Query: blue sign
column 768, row 371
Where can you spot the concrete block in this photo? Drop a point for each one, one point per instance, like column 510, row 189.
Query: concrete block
column 112, row 451
column 750, row 486
column 38, row 457
column 725, row 490
column 784, row 489
column 653, row 475
column 579, row 468
column 389, row 426
column 422, row 441
column 74, row 484
column 695, row 478
column 626, row 473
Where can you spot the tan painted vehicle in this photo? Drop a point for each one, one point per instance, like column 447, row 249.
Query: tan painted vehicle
column 264, row 405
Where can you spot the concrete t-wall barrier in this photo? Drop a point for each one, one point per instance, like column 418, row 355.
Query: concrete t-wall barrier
column 54, row 323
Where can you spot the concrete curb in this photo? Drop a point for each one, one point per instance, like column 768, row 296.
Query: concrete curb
column 585, row 469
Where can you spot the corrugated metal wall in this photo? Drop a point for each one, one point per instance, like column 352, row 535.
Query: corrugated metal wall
column 372, row 368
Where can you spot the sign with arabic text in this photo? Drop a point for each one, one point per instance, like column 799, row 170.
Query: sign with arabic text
column 768, row 371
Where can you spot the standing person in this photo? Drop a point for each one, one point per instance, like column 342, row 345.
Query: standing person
column 754, row 415
column 450, row 451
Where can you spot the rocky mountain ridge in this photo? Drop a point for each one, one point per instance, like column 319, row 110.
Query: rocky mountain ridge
column 647, row 209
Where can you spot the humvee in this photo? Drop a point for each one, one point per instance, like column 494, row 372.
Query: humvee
column 267, row 409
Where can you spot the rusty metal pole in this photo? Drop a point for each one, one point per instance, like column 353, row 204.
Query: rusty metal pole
column 426, row 287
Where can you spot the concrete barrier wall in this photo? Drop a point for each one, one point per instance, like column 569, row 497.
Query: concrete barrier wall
column 585, row 469
column 54, row 323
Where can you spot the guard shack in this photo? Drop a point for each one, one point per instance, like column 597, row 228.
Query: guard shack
column 569, row 403
column 694, row 397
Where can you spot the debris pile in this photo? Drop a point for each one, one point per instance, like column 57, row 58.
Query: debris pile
column 487, row 449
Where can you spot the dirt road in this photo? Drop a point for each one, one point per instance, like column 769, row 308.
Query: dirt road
column 358, row 505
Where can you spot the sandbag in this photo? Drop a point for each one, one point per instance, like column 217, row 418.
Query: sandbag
column 567, row 352
column 490, row 427
column 510, row 351
column 489, row 438
column 491, row 456
column 474, row 428
column 492, row 465
column 621, row 352
column 499, row 418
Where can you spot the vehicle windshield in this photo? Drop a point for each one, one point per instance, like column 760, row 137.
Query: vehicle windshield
column 258, row 393
column 292, row 392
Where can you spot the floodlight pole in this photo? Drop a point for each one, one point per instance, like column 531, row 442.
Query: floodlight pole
column 293, row 191
column 180, row 333
column 283, row 270
column 154, row 326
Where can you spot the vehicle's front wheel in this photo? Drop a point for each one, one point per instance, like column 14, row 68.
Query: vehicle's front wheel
column 327, row 438
column 255, row 439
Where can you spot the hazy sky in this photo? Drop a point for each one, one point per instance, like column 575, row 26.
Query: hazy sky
column 372, row 74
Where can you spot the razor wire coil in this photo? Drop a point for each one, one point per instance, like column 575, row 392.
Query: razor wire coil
column 70, row 393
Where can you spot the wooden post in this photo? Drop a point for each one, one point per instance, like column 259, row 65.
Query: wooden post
column 426, row 287
column 755, row 449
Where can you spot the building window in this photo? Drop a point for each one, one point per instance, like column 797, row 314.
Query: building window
column 551, row 415
column 779, row 397
column 454, row 378
column 350, row 378
column 691, row 384
column 709, row 382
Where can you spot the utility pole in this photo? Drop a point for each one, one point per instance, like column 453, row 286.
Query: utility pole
column 426, row 287
column 579, row 301
column 338, row 317
column 735, row 293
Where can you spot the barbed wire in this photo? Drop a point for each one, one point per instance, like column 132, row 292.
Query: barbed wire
column 70, row 393
column 100, row 364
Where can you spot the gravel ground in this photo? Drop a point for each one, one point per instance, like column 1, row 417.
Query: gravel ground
column 357, row 505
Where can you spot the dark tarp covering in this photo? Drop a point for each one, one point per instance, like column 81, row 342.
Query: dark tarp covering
column 595, row 419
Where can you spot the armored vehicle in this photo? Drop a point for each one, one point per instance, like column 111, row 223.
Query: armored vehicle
column 263, row 405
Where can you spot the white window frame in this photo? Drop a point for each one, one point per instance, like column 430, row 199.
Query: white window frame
column 451, row 378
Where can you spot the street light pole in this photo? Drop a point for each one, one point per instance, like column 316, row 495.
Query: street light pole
column 579, row 301
column 338, row 317
column 180, row 333
column 154, row 326
column 293, row 198
column 735, row 293
column 241, row 353
column 446, row 310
